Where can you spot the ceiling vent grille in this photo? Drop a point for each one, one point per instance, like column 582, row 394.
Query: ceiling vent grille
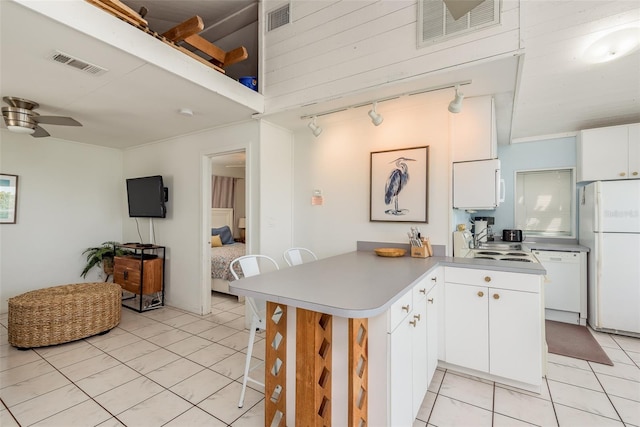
column 76, row 63
column 278, row 17
column 436, row 24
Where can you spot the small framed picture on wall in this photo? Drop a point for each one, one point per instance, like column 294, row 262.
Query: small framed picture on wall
column 8, row 198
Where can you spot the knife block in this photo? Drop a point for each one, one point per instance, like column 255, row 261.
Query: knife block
column 423, row 251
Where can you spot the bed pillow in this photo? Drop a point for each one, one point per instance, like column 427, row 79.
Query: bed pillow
column 216, row 242
column 225, row 234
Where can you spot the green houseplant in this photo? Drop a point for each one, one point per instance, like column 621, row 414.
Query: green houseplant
column 102, row 256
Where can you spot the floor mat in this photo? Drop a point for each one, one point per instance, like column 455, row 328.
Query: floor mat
column 574, row 341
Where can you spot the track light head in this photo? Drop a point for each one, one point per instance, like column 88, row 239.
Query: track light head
column 376, row 118
column 315, row 129
column 455, row 106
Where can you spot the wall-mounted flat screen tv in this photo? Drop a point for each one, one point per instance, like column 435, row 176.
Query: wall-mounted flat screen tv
column 147, row 197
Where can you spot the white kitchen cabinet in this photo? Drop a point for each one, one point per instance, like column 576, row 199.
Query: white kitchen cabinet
column 473, row 131
column 433, row 311
column 609, row 153
column 498, row 315
column 477, row 185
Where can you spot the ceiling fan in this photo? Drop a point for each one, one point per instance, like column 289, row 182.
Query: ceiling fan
column 21, row 118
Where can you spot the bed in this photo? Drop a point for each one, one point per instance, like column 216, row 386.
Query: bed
column 221, row 256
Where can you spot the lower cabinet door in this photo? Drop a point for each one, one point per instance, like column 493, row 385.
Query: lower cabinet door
column 466, row 326
column 515, row 335
column 419, row 355
column 400, row 374
column 433, row 300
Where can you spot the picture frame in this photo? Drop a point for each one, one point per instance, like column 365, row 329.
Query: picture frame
column 391, row 200
column 8, row 198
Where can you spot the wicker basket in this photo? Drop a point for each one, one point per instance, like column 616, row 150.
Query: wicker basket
column 63, row 313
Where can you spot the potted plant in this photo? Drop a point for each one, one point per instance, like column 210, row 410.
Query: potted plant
column 102, row 256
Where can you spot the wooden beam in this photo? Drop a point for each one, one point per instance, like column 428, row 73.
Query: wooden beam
column 185, row 29
column 118, row 14
column 236, row 55
column 205, row 46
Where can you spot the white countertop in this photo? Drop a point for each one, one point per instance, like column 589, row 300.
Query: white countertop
column 357, row 284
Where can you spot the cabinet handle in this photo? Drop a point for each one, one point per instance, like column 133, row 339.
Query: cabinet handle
column 416, row 316
column 406, row 308
column 435, row 279
column 487, row 278
column 480, row 294
column 430, row 300
column 622, row 174
column 423, row 291
column 126, row 275
column 413, row 322
column 496, row 296
column 634, row 173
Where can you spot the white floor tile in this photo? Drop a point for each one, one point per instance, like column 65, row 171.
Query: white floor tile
column 87, row 413
column 500, row 420
column 106, row 380
column 195, row 417
column 152, row 361
column 211, row 354
column 620, row 370
column 24, row 372
column 427, row 406
column 604, row 339
column 627, row 343
column 617, row 355
column 174, row 372
column 620, row 387
column 450, row 412
column 224, row 404
column 90, row 366
column 571, row 417
column 568, row 361
column 167, row 338
column 133, row 350
column 181, row 321
column 33, row 387
column 635, row 356
column 116, row 341
column 233, row 366
column 152, row 330
column 155, row 411
column 198, row 326
column 128, row 395
column 436, row 381
column 574, row 376
column 48, row 404
column 524, row 407
column 581, row 398
column 629, row 410
column 189, row 345
column 217, row 333
column 6, row 419
column 198, row 387
column 252, row 418
column 12, row 357
column 467, row 390
column 238, row 341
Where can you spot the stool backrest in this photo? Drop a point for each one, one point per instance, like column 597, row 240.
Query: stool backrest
column 250, row 265
column 297, row 256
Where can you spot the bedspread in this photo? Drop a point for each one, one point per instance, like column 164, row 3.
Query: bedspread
column 222, row 256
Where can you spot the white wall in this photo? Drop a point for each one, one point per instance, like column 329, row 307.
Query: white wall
column 69, row 199
column 338, row 163
column 185, row 168
column 336, row 47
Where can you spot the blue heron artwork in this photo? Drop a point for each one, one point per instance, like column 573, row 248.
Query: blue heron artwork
column 399, row 184
column 397, row 180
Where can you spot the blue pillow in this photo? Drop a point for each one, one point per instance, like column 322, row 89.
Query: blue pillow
column 225, row 234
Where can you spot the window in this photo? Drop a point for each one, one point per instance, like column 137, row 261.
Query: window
column 545, row 202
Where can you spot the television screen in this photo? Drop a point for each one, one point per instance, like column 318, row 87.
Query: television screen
column 146, row 197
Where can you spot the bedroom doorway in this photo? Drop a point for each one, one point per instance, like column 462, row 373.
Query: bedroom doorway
column 228, row 217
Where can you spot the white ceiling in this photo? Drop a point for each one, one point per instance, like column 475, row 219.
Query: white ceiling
column 137, row 102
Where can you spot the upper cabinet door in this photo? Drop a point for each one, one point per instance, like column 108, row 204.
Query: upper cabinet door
column 609, row 153
column 473, row 131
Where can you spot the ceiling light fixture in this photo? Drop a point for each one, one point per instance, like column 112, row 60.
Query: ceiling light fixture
column 455, row 106
column 317, row 130
column 613, row 45
column 21, row 129
column 376, row 118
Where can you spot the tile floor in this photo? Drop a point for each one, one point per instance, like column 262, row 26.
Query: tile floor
column 170, row 368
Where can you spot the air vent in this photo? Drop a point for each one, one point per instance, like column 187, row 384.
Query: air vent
column 76, row 63
column 436, row 24
column 278, row 17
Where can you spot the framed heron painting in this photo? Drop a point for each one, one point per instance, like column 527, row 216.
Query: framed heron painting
column 399, row 185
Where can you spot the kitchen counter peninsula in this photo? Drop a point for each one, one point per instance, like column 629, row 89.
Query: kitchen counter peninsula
column 320, row 318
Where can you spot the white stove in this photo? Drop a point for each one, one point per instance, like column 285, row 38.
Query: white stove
column 513, row 252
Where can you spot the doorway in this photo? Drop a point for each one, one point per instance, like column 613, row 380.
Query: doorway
column 227, row 217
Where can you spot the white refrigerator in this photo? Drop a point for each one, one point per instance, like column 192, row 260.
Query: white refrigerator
column 610, row 227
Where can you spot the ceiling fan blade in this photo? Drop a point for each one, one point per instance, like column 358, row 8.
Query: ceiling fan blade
column 459, row 8
column 57, row 120
column 40, row 133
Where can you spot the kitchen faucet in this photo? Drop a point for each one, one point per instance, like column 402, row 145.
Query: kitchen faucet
column 477, row 236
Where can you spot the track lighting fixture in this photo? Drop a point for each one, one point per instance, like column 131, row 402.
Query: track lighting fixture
column 317, row 130
column 455, row 106
column 376, row 118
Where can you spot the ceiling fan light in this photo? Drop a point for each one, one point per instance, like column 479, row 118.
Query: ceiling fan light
column 613, row 46
column 21, row 129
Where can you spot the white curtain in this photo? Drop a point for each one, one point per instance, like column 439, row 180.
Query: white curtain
column 223, row 196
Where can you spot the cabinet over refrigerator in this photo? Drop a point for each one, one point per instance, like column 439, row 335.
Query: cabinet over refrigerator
column 477, row 185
